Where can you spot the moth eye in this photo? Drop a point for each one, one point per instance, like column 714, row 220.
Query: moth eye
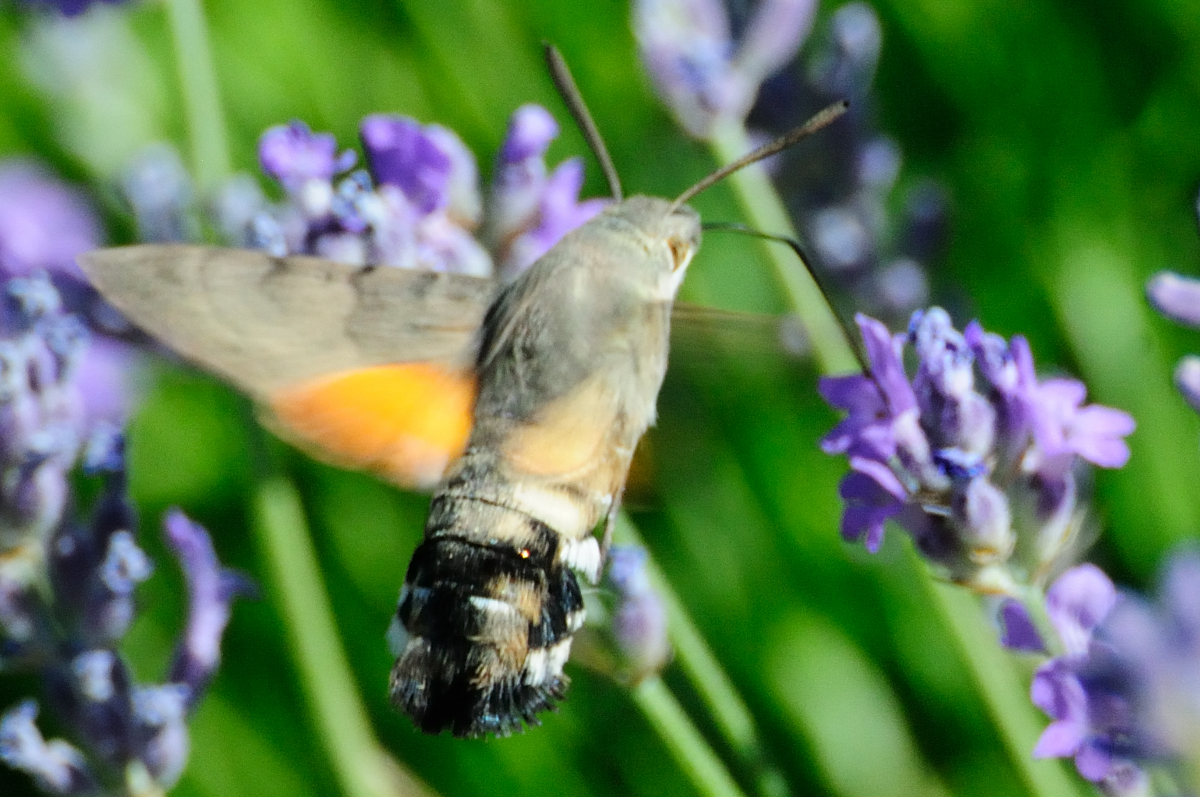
column 680, row 252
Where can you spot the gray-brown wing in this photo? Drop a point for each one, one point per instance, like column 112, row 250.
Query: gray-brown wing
column 267, row 323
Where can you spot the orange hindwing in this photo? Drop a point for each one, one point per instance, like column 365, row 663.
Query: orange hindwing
column 403, row 421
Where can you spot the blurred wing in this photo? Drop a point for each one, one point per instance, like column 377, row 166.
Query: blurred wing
column 371, row 367
column 702, row 335
column 708, row 344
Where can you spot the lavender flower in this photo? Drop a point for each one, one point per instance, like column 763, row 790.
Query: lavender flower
column 1157, row 646
column 625, row 636
column 211, row 590
column 704, row 77
column 1178, row 298
column 1017, row 631
column 67, row 586
column 44, row 225
column 841, row 186
column 125, row 727
column 418, row 205
column 980, row 475
column 1124, row 695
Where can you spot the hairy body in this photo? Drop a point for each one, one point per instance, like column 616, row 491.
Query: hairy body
column 571, row 359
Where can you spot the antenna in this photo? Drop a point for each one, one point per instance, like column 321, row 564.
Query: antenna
column 851, row 338
column 821, row 119
column 574, row 100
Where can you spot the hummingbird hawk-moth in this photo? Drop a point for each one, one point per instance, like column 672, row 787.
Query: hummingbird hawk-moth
column 521, row 403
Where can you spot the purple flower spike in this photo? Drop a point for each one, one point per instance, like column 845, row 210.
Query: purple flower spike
column 44, row 223
column 401, row 154
column 211, row 590
column 293, row 155
column 949, row 453
column 57, row 767
column 1175, row 296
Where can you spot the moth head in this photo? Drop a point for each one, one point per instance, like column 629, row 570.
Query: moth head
column 670, row 235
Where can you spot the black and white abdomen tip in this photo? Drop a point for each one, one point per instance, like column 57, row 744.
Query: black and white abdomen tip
column 481, row 636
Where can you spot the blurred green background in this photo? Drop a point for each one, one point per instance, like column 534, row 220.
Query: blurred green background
column 1068, row 137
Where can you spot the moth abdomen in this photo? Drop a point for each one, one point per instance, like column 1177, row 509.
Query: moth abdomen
column 482, row 631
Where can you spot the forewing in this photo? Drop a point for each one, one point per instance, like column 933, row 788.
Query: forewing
column 267, row 323
column 365, row 367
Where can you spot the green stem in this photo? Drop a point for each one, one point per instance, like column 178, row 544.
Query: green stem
column 694, row 756
column 201, row 98
column 729, row 712
column 765, row 210
column 360, row 765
